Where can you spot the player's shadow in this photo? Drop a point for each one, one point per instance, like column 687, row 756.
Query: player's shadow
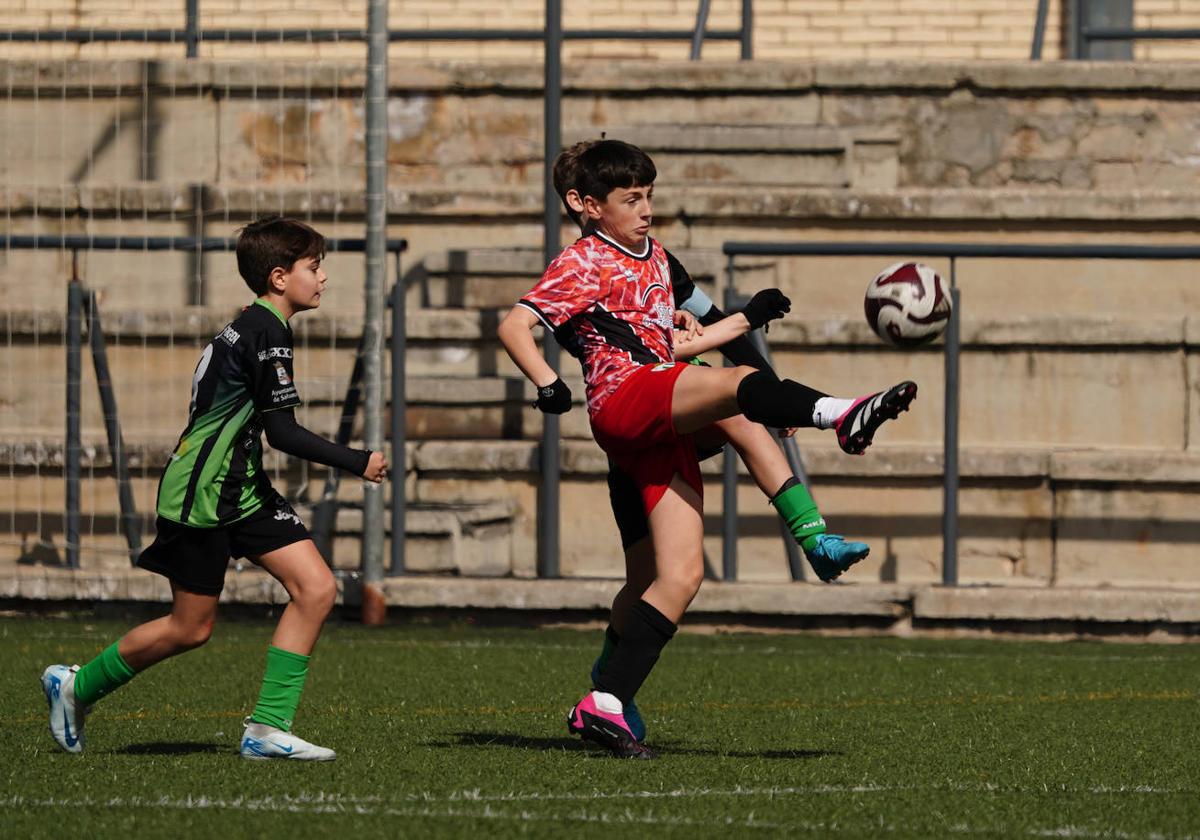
column 676, row 749
column 508, row 739
column 172, row 748
column 525, row 742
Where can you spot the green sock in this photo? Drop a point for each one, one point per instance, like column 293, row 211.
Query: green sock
column 281, row 687
column 105, row 673
column 800, row 512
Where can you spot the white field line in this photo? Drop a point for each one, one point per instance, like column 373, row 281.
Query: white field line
column 452, row 808
column 337, row 804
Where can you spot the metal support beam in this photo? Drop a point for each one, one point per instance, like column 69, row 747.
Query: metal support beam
column 950, row 439
column 131, row 525
column 374, row 302
column 549, row 457
column 399, row 424
column 74, row 446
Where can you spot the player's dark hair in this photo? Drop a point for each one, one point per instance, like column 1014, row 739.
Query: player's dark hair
column 274, row 242
column 613, row 164
column 565, row 174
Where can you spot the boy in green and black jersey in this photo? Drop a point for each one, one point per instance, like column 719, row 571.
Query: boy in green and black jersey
column 216, row 502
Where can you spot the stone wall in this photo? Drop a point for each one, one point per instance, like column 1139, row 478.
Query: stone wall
column 1080, row 410
column 783, row 29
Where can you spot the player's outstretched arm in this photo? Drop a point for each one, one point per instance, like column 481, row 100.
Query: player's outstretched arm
column 516, row 334
column 286, row 435
column 713, row 336
column 766, row 306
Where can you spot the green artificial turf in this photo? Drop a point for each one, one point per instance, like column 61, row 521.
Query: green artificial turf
column 457, row 730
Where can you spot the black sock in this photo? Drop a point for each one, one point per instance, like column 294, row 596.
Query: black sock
column 787, row 485
column 647, row 632
column 764, row 398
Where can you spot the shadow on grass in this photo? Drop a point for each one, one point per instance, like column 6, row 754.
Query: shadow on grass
column 525, row 742
column 507, row 739
column 172, row 748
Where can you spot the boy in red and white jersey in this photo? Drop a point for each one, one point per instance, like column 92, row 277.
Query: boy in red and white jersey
column 608, row 298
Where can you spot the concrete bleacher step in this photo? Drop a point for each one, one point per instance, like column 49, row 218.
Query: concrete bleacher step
column 457, row 537
column 764, row 155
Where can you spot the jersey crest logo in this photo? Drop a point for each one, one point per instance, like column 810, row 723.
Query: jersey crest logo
column 645, row 295
column 282, row 375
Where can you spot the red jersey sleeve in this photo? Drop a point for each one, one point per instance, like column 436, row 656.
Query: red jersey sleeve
column 570, row 285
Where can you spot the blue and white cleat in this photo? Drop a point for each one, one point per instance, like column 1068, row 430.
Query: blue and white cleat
column 260, row 741
column 832, row 555
column 66, row 718
column 632, row 716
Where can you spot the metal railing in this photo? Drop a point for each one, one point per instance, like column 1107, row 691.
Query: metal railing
column 1084, row 31
column 952, row 345
column 191, row 35
column 81, row 303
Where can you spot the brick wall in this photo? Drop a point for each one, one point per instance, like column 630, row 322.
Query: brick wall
column 784, row 29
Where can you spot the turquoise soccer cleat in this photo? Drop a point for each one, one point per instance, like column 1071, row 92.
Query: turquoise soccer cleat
column 832, row 555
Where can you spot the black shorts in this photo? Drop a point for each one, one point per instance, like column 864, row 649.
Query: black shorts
column 195, row 559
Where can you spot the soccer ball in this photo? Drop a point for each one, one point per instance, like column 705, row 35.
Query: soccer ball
column 906, row 305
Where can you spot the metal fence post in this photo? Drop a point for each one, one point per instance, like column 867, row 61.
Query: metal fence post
column 729, row 475
column 192, row 27
column 747, row 30
column 374, row 608
column 548, row 495
column 399, row 419
column 950, row 444
column 74, row 446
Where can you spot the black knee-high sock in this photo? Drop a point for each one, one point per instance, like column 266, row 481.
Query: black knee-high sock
column 647, row 632
column 764, row 398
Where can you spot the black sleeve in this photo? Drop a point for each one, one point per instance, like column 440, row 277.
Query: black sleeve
column 286, row 435
column 741, row 350
column 268, row 359
column 682, row 284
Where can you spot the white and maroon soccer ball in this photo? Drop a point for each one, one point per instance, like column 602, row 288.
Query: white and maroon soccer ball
column 907, row 305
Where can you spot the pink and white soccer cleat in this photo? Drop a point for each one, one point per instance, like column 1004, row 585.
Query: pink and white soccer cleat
column 605, row 726
column 856, row 428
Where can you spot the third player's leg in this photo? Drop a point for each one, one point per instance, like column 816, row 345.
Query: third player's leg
column 303, row 573
column 757, row 448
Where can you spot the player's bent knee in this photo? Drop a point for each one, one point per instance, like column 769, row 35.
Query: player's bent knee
column 317, row 595
column 193, row 634
column 683, row 580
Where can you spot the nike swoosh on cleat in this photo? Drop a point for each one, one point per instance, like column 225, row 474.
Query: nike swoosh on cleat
column 67, row 736
column 280, row 746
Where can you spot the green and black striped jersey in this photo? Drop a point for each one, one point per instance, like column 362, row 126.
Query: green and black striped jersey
column 215, row 476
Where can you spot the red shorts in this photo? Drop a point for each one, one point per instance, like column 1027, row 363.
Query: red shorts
column 635, row 428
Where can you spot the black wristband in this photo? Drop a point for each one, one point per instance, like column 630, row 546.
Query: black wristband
column 554, row 398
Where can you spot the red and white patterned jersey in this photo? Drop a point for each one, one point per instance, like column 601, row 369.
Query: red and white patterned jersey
column 609, row 307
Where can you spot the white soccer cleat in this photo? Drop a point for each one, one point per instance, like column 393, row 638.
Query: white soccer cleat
column 66, row 719
column 260, row 741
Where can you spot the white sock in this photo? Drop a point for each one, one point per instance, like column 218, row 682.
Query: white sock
column 607, row 703
column 828, row 410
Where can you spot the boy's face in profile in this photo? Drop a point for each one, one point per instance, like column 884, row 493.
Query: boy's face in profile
column 624, row 214
column 302, row 284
